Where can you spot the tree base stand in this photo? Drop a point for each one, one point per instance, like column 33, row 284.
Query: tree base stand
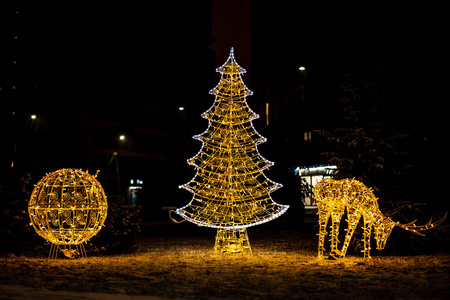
column 69, row 251
column 229, row 241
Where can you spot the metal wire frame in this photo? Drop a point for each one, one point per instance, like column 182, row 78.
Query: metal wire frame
column 336, row 197
column 231, row 192
column 67, row 208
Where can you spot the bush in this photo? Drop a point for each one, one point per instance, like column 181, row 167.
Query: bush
column 120, row 230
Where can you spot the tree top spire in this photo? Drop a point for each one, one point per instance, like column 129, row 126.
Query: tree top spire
column 231, row 66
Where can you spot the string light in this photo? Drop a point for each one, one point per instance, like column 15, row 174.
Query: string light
column 67, row 208
column 334, row 197
column 230, row 189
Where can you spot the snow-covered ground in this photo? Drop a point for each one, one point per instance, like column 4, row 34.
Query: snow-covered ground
column 283, row 265
column 22, row 292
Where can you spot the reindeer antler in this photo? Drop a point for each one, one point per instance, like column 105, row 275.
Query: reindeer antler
column 415, row 229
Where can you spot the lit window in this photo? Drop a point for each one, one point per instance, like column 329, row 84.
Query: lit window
column 307, row 136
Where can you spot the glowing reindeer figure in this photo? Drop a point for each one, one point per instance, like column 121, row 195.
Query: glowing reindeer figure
column 334, row 196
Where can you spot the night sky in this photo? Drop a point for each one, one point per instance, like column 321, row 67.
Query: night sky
column 72, row 50
column 78, row 46
column 329, row 40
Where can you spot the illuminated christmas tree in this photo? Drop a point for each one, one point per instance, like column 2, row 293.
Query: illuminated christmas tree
column 230, row 189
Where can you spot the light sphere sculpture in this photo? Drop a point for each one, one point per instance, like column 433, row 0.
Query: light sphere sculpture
column 67, row 208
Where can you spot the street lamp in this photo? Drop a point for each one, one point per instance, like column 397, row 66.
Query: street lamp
column 302, row 69
column 122, row 137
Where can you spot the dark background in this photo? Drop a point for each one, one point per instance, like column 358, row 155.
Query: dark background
column 91, row 72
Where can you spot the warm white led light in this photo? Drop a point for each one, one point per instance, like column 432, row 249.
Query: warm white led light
column 335, row 197
column 67, row 208
column 230, row 189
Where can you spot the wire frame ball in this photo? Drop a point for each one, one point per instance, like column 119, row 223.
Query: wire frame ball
column 67, row 208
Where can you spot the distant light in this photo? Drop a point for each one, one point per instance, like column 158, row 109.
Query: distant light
column 33, row 117
column 133, row 187
column 180, row 108
column 122, row 137
column 324, row 170
column 302, row 68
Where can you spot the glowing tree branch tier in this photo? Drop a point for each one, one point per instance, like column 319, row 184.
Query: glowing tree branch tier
column 230, row 189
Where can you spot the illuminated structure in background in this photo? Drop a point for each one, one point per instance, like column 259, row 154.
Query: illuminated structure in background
column 230, row 189
column 335, row 196
column 309, row 177
column 67, row 208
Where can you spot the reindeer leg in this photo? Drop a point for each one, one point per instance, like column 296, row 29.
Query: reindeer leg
column 336, row 216
column 352, row 220
column 324, row 215
column 367, row 232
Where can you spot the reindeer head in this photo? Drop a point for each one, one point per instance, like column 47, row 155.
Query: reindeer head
column 383, row 229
